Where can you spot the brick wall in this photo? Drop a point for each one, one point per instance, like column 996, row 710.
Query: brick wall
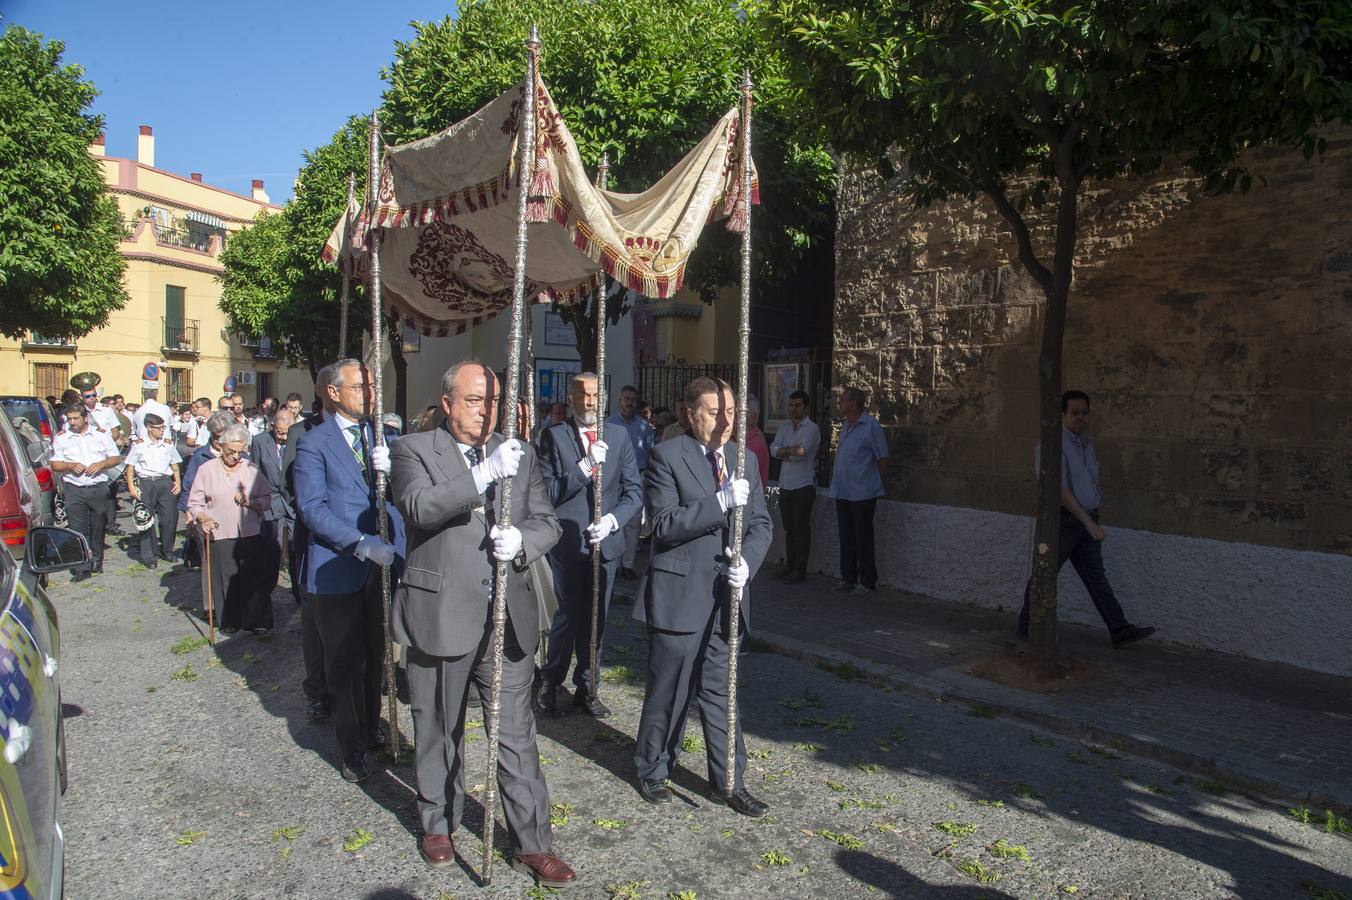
column 1214, row 335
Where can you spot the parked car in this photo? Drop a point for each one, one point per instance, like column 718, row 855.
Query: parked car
column 36, row 410
column 35, row 423
column 27, row 485
column 33, row 760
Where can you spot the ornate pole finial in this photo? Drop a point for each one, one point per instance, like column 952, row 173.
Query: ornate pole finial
column 746, row 80
column 603, row 170
column 533, row 42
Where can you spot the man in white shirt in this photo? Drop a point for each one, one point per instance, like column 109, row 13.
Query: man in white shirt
column 82, row 457
column 795, row 446
column 100, row 417
column 153, row 478
column 197, row 436
column 149, row 406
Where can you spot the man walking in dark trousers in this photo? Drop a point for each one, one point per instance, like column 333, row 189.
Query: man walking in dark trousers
column 311, row 648
column 856, row 485
column 268, row 449
column 1081, row 539
column 570, row 451
column 83, row 456
column 691, row 492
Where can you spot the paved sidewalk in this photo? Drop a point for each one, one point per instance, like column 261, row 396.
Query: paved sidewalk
column 1270, row 727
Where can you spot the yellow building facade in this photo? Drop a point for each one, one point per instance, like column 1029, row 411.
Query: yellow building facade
column 177, row 228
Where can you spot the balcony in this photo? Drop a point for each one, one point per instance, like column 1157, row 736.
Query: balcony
column 38, row 341
column 187, row 238
column 181, row 337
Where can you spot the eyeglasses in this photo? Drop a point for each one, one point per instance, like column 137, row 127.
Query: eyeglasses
column 89, row 396
column 355, row 387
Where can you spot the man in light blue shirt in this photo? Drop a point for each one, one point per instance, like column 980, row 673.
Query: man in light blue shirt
column 856, row 485
column 642, row 436
column 1081, row 538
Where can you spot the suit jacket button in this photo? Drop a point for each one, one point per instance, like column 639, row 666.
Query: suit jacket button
column 485, row 582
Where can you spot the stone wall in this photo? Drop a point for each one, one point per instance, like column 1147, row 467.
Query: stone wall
column 1213, row 333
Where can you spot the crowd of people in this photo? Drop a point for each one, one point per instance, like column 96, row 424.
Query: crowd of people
column 283, row 488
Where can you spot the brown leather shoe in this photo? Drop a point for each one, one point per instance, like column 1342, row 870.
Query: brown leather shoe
column 437, row 850
column 546, row 868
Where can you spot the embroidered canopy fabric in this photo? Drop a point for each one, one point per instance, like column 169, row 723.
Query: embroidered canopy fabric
column 448, row 206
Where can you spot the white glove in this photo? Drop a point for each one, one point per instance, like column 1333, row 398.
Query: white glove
column 739, row 574
column 377, row 551
column 599, row 531
column 735, row 494
column 503, row 462
column 596, row 453
column 506, row 542
column 380, row 459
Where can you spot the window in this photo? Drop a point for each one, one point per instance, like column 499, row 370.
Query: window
column 263, row 386
column 179, row 384
column 173, row 305
column 50, row 379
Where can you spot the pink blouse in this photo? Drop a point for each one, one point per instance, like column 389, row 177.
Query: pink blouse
column 213, row 492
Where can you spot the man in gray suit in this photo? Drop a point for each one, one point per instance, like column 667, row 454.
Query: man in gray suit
column 691, row 492
column 445, row 485
column 570, row 451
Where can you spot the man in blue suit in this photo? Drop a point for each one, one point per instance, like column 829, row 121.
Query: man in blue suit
column 570, row 453
column 335, row 480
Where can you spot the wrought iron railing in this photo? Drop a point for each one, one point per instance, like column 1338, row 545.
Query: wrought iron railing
column 181, row 335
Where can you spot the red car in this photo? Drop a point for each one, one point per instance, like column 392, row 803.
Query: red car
column 27, row 486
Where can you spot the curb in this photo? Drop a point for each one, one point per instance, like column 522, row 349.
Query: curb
column 924, row 687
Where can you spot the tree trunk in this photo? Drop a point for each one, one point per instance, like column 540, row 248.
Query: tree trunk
column 1044, row 652
column 584, row 327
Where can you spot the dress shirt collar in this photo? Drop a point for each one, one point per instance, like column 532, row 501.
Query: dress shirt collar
column 344, row 423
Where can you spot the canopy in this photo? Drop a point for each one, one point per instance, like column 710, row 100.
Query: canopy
column 448, row 204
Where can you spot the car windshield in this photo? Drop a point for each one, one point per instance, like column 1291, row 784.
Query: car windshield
column 27, row 407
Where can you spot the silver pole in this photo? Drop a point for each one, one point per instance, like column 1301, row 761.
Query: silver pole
column 345, row 266
column 526, row 151
column 378, row 426
column 602, row 182
column 743, row 375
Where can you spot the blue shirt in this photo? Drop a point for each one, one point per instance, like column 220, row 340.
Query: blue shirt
column 1079, row 468
column 641, row 435
column 856, row 475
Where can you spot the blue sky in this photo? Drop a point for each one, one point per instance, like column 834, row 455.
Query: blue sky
column 234, row 89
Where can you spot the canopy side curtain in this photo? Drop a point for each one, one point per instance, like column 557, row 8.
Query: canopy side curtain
column 447, row 204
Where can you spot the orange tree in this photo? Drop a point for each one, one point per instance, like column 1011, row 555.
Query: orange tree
column 1024, row 101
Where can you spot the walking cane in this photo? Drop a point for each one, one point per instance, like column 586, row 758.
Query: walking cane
column 206, row 580
column 492, row 710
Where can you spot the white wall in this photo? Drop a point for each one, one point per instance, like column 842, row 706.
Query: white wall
column 1290, row 606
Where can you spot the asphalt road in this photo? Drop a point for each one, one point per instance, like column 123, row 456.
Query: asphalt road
column 196, row 774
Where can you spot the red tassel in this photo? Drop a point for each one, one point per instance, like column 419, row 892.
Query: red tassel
column 537, row 211
column 737, row 221
column 542, row 183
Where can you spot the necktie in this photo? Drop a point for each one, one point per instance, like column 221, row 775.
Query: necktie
column 475, row 456
column 354, row 440
column 591, row 436
column 716, row 464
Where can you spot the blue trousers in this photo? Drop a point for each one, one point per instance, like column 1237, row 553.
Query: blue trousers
column 570, row 632
column 1086, row 555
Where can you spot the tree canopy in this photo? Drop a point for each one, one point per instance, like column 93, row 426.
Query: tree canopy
column 60, row 272
column 1023, row 101
column 274, row 282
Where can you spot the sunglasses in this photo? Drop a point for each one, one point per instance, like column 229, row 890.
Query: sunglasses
column 87, row 396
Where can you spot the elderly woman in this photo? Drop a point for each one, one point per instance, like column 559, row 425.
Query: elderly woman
column 226, row 500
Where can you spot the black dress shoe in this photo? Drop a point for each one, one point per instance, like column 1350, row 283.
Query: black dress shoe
column 168, row 557
column 79, row 576
column 742, row 802
column 318, row 711
column 151, row 563
column 98, row 569
column 654, row 792
column 593, row 705
column 548, row 698
column 1131, row 634
column 381, row 738
column 355, row 769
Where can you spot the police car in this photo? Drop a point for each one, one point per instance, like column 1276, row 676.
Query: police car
column 33, row 759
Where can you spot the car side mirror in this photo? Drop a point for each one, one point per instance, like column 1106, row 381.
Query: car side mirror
column 55, row 550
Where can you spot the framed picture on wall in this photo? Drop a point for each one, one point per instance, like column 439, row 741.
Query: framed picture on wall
column 781, row 380
column 558, row 333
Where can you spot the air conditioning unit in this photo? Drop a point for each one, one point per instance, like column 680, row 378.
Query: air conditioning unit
column 244, row 377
